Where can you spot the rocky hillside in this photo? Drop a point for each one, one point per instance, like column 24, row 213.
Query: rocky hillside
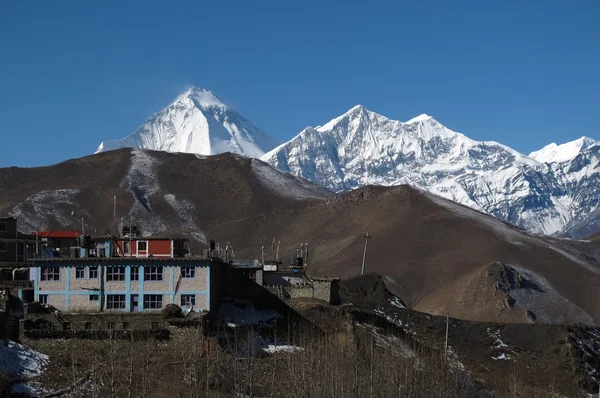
column 436, row 255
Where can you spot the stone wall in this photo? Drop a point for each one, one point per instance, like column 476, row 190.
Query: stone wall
column 326, row 290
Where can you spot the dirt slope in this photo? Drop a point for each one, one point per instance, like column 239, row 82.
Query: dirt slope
column 437, row 256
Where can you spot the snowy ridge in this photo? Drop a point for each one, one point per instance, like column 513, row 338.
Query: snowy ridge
column 197, row 122
column 362, row 147
column 553, row 153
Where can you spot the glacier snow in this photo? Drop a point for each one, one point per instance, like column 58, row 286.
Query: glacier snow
column 197, row 122
column 546, row 194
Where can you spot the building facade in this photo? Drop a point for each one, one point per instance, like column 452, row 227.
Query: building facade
column 132, row 284
column 15, row 247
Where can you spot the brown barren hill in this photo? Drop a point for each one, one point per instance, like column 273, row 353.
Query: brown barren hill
column 438, row 256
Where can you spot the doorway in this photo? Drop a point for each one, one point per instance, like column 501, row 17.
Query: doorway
column 135, row 303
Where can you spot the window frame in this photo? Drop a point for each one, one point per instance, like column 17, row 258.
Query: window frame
column 154, row 274
column 77, row 270
column 139, row 249
column 44, row 300
column 3, row 226
column 134, row 273
column 112, row 299
column 93, row 268
column 113, row 272
column 5, row 244
column 184, row 270
column 185, row 303
column 96, row 297
column 45, row 274
column 151, row 301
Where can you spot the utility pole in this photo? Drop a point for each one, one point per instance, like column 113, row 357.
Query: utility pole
column 367, row 237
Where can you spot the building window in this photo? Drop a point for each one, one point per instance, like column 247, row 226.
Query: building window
column 79, row 272
column 3, row 246
column 115, row 274
column 111, row 325
column 135, row 273
column 94, row 297
column 153, row 301
column 142, row 246
column 115, row 301
column 153, row 274
column 126, row 247
column 50, row 274
column 88, row 325
column 188, row 272
column 188, row 300
column 43, row 298
column 93, row 272
column 2, row 227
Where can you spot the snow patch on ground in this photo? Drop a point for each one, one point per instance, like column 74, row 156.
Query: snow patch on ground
column 253, row 344
column 20, row 363
column 32, row 213
column 588, row 343
column 396, row 302
column 286, row 184
column 393, row 318
column 499, row 349
column 389, row 342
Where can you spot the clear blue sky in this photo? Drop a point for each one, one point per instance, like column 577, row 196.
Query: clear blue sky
column 75, row 73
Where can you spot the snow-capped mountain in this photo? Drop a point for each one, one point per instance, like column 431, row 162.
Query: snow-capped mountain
column 561, row 153
column 197, row 122
column 362, row 147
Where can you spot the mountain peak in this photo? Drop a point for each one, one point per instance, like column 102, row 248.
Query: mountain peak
column 197, row 122
column 202, row 97
column 421, row 118
column 553, row 153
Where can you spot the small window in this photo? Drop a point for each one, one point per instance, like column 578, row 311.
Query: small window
column 142, row 245
column 2, row 227
column 43, row 298
column 114, row 274
column 115, row 301
column 135, row 273
column 94, row 297
column 93, row 271
column 79, row 272
column 188, row 272
column 3, row 246
column 188, row 300
column 88, row 325
column 50, row 274
column 153, row 274
column 153, row 301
